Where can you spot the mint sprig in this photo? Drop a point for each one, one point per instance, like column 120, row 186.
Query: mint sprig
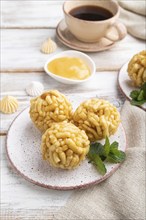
column 139, row 96
column 99, row 153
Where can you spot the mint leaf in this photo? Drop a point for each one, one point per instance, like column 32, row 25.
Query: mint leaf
column 116, row 157
column 96, row 148
column 141, row 96
column 99, row 164
column 134, row 94
column 106, row 147
column 138, row 103
column 114, row 145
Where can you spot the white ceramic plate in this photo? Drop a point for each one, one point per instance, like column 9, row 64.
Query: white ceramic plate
column 125, row 83
column 23, row 150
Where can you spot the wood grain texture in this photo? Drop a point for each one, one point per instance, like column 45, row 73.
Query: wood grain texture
column 31, row 14
column 21, row 51
column 20, row 81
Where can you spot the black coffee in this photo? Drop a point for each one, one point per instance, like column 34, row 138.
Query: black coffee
column 91, row 13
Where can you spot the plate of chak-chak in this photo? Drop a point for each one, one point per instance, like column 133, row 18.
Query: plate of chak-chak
column 23, row 148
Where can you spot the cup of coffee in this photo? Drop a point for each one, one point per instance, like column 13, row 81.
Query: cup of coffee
column 89, row 20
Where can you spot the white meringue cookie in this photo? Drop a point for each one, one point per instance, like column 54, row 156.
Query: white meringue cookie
column 35, row 88
column 49, row 46
column 8, row 105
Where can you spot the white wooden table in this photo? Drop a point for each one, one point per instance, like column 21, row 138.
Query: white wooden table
column 25, row 25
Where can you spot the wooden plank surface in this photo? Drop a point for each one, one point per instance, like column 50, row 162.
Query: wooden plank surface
column 21, row 80
column 21, row 51
column 31, row 14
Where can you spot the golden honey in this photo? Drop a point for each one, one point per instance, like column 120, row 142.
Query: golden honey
column 69, row 67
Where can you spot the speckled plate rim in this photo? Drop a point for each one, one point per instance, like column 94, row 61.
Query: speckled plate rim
column 70, row 45
column 120, row 86
column 81, row 186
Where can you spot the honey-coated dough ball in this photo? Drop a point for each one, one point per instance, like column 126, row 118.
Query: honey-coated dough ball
column 64, row 145
column 50, row 107
column 137, row 68
column 98, row 118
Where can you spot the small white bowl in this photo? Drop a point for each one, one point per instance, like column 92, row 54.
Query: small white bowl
column 71, row 53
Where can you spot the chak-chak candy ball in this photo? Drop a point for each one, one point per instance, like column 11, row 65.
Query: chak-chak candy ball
column 64, row 145
column 98, row 118
column 137, row 69
column 48, row 108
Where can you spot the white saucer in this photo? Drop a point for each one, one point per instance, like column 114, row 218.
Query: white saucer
column 125, row 83
column 65, row 36
column 23, row 150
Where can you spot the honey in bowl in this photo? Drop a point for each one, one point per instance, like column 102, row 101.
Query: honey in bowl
column 69, row 67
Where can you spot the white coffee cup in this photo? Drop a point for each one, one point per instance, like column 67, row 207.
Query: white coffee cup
column 93, row 31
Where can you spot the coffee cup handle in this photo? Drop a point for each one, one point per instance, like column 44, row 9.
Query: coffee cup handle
column 116, row 32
